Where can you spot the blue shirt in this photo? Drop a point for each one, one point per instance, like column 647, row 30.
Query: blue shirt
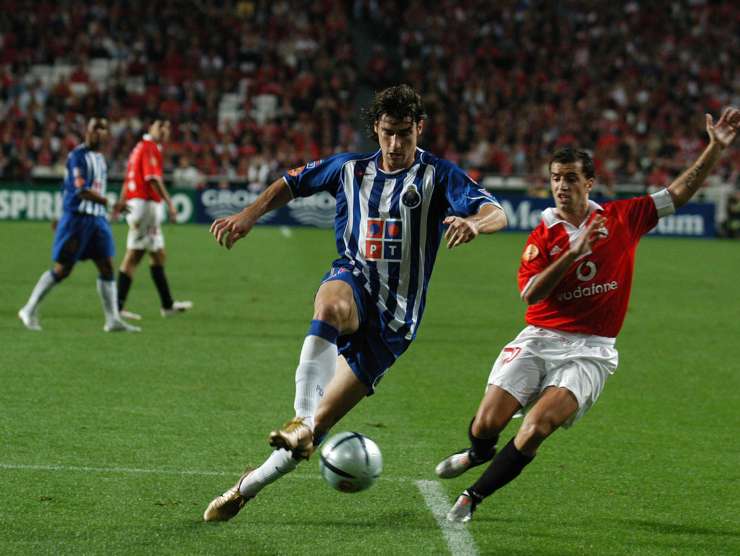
column 86, row 169
column 389, row 246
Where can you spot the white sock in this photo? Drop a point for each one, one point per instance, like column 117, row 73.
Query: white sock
column 42, row 287
column 279, row 463
column 109, row 298
column 316, row 368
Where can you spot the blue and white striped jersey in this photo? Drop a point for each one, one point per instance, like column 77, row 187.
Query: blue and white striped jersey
column 86, row 169
column 391, row 247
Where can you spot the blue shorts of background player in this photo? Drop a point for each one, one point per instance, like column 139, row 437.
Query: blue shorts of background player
column 373, row 348
column 80, row 237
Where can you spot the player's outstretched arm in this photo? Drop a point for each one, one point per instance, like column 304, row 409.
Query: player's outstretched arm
column 230, row 229
column 546, row 281
column 487, row 220
column 721, row 135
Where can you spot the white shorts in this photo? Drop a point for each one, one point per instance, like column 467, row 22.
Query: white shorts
column 538, row 358
column 145, row 225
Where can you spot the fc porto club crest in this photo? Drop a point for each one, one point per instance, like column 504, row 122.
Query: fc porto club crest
column 411, row 197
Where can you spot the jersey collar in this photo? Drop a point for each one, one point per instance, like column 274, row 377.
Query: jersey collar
column 148, row 137
column 379, row 155
column 550, row 216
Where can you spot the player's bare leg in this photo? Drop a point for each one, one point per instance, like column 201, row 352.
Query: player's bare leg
column 343, row 393
column 29, row 314
column 494, row 412
column 554, row 407
column 335, row 314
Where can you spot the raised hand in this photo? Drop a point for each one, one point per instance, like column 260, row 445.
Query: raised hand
column 459, row 231
column 230, row 229
column 593, row 232
column 725, row 130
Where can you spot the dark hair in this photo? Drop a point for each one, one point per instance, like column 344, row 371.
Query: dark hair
column 399, row 102
column 569, row 155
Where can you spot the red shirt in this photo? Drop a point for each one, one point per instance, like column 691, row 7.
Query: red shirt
column 144, row 164
column 593, row 295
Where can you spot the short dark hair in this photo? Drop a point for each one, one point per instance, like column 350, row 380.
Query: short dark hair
column 399, row 102
column 569, row 155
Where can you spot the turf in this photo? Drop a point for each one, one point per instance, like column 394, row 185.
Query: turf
column 115, row 443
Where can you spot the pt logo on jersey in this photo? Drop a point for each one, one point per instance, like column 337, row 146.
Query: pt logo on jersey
column 383, row 239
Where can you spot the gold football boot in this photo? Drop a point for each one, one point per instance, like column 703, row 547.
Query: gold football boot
column 226, row 506
column 296, row 437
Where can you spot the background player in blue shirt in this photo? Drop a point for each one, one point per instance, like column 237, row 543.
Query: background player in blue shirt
column 83, row 231
column 392, row 208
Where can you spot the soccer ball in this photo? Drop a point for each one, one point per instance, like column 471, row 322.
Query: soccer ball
column 350, row 462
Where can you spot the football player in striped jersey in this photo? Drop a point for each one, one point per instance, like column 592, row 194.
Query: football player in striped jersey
column 83, row 231
column 394, row 207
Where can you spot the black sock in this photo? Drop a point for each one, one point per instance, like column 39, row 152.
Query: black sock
column 482, row 449
column 124, row 283
column 504, row 468
column 160, row 280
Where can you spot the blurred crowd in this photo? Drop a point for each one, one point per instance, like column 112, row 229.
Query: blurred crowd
column 251, row 87
column 255, row 86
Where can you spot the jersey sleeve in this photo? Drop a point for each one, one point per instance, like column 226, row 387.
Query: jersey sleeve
column 77, row 168
column 642, row 213
column 464, row 195
column 151, row 162
column 319, row 175
column 533, row 261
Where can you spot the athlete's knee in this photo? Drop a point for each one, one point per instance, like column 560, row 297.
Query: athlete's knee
column 488, row 424
column 158, row 258
column 105, row 269
column 533, row 432
column 61, row 271
column 335, row 311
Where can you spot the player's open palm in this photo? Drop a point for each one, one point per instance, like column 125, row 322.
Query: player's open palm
column 725, row 130
column 230, row 229
column 459, row 231
column 593, row 232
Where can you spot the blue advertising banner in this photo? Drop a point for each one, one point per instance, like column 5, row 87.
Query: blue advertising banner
column 45, row 203
column 523, row 213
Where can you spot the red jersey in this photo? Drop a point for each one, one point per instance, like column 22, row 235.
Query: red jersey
column 593, row 295
column 144, row 164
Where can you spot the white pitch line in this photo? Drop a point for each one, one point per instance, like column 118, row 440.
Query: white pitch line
column 459, row 540
column 155, row 471
column 88, row 469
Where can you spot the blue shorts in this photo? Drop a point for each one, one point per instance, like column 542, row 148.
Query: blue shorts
column 373, row 348
column 80, row 237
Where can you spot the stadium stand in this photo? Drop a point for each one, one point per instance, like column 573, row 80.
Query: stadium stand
column 255, row 86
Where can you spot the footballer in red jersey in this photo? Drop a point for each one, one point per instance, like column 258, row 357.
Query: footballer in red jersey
column 142, row 196
column 575, row 277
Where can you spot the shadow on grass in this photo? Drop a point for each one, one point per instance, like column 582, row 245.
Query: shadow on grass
column 679, row 528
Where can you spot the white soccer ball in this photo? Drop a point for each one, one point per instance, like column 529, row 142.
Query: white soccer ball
column 350, row 462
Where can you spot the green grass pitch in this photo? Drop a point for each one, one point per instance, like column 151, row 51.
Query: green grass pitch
column 115, row 443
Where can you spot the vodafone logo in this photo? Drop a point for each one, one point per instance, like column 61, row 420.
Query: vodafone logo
column 586, row 271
